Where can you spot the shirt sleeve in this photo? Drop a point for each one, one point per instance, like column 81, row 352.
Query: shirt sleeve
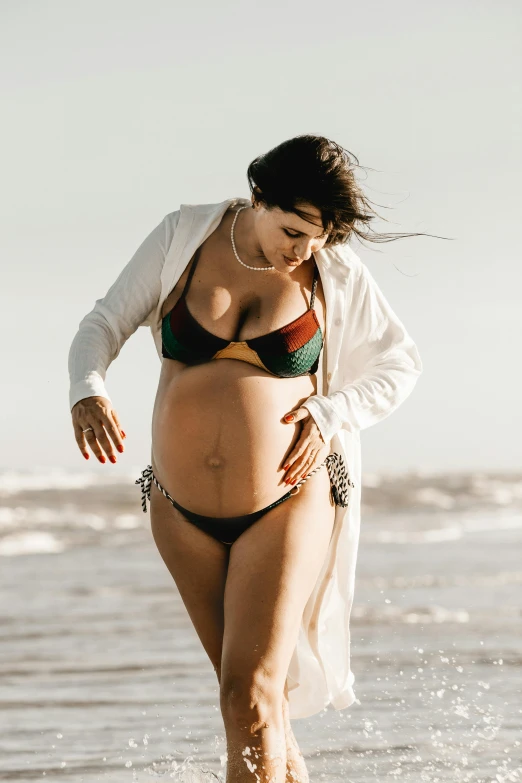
column 126, row 305
column 380, row 361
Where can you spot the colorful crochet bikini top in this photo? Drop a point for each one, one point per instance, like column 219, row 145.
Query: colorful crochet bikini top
column 287, row 352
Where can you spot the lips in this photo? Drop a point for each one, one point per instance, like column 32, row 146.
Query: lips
column 291, row 261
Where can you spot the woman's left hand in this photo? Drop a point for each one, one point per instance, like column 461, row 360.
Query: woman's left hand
column 308, row 448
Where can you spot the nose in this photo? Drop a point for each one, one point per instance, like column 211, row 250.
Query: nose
column 303, row 249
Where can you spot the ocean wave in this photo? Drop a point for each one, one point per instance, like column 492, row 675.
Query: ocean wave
column 66, row 517
column 414, row 537
column 409, row 615
column 14, row 482
column 410, row 491
column 410, row 581
column 452, row 527
column 34, row 542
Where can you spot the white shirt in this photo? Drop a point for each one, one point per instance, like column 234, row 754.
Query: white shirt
column 371, row 365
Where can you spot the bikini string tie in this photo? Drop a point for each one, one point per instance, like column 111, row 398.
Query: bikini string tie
column 339, row 479
column 145, row 480
column 340, row 482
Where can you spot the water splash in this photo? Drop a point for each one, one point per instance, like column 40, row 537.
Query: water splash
column 182, row 770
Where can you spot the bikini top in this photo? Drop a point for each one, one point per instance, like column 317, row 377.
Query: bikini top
column 287, row 352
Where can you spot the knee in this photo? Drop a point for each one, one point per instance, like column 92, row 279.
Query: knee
column 251, row 702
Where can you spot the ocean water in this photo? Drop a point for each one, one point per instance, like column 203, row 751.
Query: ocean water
column 102, row 677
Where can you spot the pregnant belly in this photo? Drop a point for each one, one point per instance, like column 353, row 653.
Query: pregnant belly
column 219, row 441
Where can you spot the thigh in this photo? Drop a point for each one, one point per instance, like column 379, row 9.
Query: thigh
column 273, row 568
column 198, row 564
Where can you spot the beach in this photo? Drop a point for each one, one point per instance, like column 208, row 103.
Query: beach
column 104, row 679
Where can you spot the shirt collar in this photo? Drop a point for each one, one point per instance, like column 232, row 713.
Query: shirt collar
column 340, row 256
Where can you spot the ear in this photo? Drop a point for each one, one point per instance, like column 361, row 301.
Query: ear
column 255, row 196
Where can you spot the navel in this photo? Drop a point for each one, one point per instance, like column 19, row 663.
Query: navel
column 215, row 462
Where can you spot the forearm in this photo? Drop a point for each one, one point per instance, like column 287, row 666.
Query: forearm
column 92, row 350
column 378, row 365
column 367, row 400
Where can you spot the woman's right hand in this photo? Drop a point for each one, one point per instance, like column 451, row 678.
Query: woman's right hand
column 98, row 413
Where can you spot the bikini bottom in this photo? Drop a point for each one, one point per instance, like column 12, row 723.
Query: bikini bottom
column 228, row 529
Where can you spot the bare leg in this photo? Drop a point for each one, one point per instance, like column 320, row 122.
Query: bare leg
column 199, row 565
column 256, row 744
column 272, row 569
column 296, row 771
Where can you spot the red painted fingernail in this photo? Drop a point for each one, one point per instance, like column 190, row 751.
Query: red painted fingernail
column 123, row 434
column 112, row 459
column 286, row 466
column 120, row 448
column 289, row 417
column 102, row 459
column 86, row 456
column 293, row 482
column 304, row 474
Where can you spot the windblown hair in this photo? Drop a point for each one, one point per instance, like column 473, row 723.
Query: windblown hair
column 318, row 171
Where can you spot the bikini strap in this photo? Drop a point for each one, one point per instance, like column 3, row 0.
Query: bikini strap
column 314, row 286
column 191, row 273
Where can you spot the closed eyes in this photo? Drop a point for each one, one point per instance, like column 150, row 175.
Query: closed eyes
column 299, row 234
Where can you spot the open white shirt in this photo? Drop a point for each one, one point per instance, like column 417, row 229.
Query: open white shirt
column 370, row 366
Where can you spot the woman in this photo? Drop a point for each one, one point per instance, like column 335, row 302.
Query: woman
column 248, row 500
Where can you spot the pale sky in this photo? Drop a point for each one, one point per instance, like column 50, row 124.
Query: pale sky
column 115, row 113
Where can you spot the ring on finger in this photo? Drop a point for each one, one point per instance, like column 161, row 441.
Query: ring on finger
column 88, row 428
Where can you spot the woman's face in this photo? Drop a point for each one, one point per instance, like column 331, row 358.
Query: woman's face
column 284, row 234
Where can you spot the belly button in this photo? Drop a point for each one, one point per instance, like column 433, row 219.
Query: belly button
column 215, row 462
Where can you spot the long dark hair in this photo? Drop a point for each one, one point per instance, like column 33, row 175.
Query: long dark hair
column 318, row 171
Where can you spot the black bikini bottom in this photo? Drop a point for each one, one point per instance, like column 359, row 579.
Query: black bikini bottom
column 228, row 529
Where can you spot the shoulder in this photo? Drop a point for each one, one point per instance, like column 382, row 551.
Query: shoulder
column 171, row 220
column 357, row 270
column 215, row 207
column 196, row 214
column 166, row 228
column 344, row 255
column 342, row 261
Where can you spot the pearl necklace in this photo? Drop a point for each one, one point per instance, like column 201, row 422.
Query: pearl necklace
column 255, row 268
